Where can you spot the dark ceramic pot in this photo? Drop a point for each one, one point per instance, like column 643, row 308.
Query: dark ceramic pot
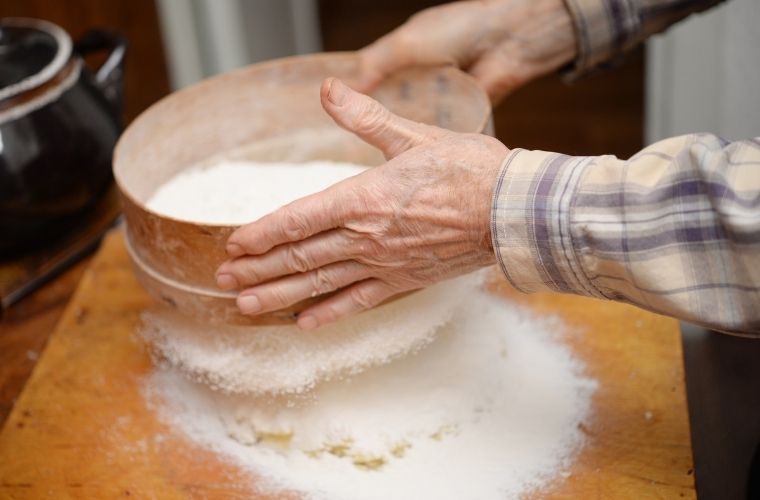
column 58, row 125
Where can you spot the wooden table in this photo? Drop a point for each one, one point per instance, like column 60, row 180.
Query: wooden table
column 25, row 329
column 80, row 429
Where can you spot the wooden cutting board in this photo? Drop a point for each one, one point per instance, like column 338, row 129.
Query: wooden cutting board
column 80, row 429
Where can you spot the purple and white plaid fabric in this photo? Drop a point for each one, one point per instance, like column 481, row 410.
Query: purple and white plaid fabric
column 675, row 229
column 607, row 28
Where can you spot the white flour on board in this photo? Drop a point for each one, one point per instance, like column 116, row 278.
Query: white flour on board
column 448, row 393
column 489, row 410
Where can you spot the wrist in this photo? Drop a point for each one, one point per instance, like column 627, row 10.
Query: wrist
column 498, row 154
column 538, row 34
column 532, row 223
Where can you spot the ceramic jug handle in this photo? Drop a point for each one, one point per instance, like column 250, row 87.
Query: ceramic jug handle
column 110, row 75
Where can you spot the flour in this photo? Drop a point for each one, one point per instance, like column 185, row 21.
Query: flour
column 490, row 409
column 284, row 359
column 238, row 192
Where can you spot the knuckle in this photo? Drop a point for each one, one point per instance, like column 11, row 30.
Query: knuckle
column 322, row 281
column 352, row 243
column 248, row 273
column 360, row 249
column 276, row 298
column 355, row 201
column 372, row 118
column 295, row 227
column 369, row 250
column 362, row 297
column 297, row 259
column 373, row 247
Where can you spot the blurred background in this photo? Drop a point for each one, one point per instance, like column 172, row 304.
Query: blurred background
column 703, row 75
column 174, row 43
column 651, row 94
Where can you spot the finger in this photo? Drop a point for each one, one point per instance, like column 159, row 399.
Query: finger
column 294, row 222
column 371, row 121
column 311, row 253
column 292, row 289
column 411, row 45
column 356, row 298
column 380, row 59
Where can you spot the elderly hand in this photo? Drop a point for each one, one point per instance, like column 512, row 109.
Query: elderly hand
column 501, row 43
column 422, row 217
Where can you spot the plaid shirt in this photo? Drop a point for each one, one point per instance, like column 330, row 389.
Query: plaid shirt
column 675, row 229
column 605, row 29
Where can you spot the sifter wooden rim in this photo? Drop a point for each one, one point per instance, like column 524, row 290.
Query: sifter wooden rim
column 483, row 126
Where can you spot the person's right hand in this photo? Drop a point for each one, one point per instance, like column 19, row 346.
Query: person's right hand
column 503, row 44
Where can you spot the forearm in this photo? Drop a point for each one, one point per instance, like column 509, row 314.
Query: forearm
column 675, row 229
column 607, row 28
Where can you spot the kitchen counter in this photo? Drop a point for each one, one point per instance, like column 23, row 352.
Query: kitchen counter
column 25, row 328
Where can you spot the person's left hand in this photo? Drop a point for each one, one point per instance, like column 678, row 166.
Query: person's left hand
column 422, row 217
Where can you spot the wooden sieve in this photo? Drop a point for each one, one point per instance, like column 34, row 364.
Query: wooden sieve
column 263, row 112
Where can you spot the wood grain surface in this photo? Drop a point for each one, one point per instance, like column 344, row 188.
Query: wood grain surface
column 81, row 428
column 25, row 329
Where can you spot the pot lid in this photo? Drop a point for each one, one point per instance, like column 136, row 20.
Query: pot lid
column 32, row 52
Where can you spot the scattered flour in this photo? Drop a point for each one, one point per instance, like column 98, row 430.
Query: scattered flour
column 238, row 192
column 490, row 409
column 285, row 359
column 447, row 393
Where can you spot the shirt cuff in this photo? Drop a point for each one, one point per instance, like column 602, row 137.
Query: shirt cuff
column 530, row 223
column 603, row 30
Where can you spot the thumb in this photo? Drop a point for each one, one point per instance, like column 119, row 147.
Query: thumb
column 371, row 121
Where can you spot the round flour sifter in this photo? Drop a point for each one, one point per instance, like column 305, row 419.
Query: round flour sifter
column 257, row 113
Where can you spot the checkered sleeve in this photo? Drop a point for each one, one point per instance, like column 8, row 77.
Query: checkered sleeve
column 605, row 29
column 675, row 229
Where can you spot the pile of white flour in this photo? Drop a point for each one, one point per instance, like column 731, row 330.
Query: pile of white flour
column 489, row 410
column 238, row 192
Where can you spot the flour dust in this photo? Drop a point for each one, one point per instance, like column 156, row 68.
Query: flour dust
column 489, row 409
column 448, row 393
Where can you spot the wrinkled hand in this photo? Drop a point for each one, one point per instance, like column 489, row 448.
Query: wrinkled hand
column 503, row 44
column 420, row 218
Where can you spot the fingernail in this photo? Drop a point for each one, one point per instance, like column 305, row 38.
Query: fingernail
column 307, row 322
column 226, row 281
column 234, row 250
column 249, row 304
column 337, row 92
